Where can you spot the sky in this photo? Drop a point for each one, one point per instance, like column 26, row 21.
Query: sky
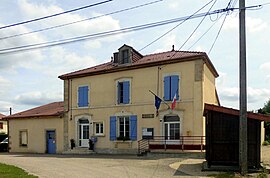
column 30, row 78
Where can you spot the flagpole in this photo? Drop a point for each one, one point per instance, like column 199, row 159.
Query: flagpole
column 161, row 99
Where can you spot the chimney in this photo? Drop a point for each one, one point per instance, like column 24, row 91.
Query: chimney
column 172, row 47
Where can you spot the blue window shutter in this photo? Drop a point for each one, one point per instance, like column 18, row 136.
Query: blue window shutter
column 83, row 96
column 113, row 128
column 118, row 93
column 87, row 98
column 174, row 86
column 133, row 127
column 167, row 88
column 80, row 96
column 126, row 96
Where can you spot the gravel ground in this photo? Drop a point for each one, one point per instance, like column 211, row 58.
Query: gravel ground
column 266, row 155
column 113, row 166
column 98, row 166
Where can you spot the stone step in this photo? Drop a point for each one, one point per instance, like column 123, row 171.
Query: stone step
column 79, row 150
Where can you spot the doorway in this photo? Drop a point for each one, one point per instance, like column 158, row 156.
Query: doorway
column 83, row 132
column 172, row 128
column 51, row 142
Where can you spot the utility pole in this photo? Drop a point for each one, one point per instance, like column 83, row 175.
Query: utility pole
column 10, row 111
column 243, row 166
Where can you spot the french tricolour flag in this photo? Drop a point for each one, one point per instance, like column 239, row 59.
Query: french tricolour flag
column 174, row 101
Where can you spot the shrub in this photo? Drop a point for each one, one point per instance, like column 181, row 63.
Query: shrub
column 265, row 143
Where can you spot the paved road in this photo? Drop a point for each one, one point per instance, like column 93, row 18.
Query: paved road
column 94, row 166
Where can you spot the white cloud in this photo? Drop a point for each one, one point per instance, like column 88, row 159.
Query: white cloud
column 268, row 78
column 5, row 85
column 32, row 11
column 101, row 24
column 255, row 95
column 4, row 107
column 256, row 24
column 168, row 41
column 60, row 61
column 92, row 44
column 265, row 66
column 199, row 48
column 37, row 98
column 222, row 79
column 174, row 5
column 4, row 82
column 228, row 94
column 252, row 24
column 9, row 62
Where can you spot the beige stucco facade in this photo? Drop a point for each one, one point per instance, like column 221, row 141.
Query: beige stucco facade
column 196, row 86
column 35, row 131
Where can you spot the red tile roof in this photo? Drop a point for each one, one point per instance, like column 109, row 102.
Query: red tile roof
column 1, row 116
column 146, row 61
column 235, row 112
column 51, row 109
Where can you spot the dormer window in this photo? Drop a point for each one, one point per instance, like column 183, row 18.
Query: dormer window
column 125, row 56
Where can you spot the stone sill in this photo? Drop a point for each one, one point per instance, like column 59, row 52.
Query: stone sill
column 123, row 144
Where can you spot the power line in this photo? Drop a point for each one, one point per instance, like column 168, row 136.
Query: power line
column 267, row 3
column 57, row 14
column 90, row 18
column 218, row 33
column 106, row 33
column 196, row 27
column 204, row 34
column 189, row 17
column 231, row 4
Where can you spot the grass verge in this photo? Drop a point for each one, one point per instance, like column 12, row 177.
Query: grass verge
column 13, row 172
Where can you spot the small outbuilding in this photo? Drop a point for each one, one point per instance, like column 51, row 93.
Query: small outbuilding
column 222, row 137
column 38, row 130
column 3, row 127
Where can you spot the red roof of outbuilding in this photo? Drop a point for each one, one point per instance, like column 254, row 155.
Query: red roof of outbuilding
column 51, row 109
column 1, row 116
column 236, row 112
column 146, row 61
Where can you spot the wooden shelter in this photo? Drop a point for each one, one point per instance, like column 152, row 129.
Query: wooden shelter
column 222, row 136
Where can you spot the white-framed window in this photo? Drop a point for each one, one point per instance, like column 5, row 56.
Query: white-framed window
column 172, row 127
column 23, row 138
column 99, row 128
column 123, row 127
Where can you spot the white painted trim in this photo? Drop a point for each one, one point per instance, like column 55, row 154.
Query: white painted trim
column 94, row 128
column 170, row 112
column 76, row 119
column 124, row 79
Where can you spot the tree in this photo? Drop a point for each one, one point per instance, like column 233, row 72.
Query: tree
column 266, row 110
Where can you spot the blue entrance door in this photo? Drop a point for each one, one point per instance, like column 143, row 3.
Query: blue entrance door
column 51, row 142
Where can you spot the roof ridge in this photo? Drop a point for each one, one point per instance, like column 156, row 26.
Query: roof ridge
column 173, row 51
column 38, row 107
column 86, row 68
column 148, row 59
column 1, row 116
